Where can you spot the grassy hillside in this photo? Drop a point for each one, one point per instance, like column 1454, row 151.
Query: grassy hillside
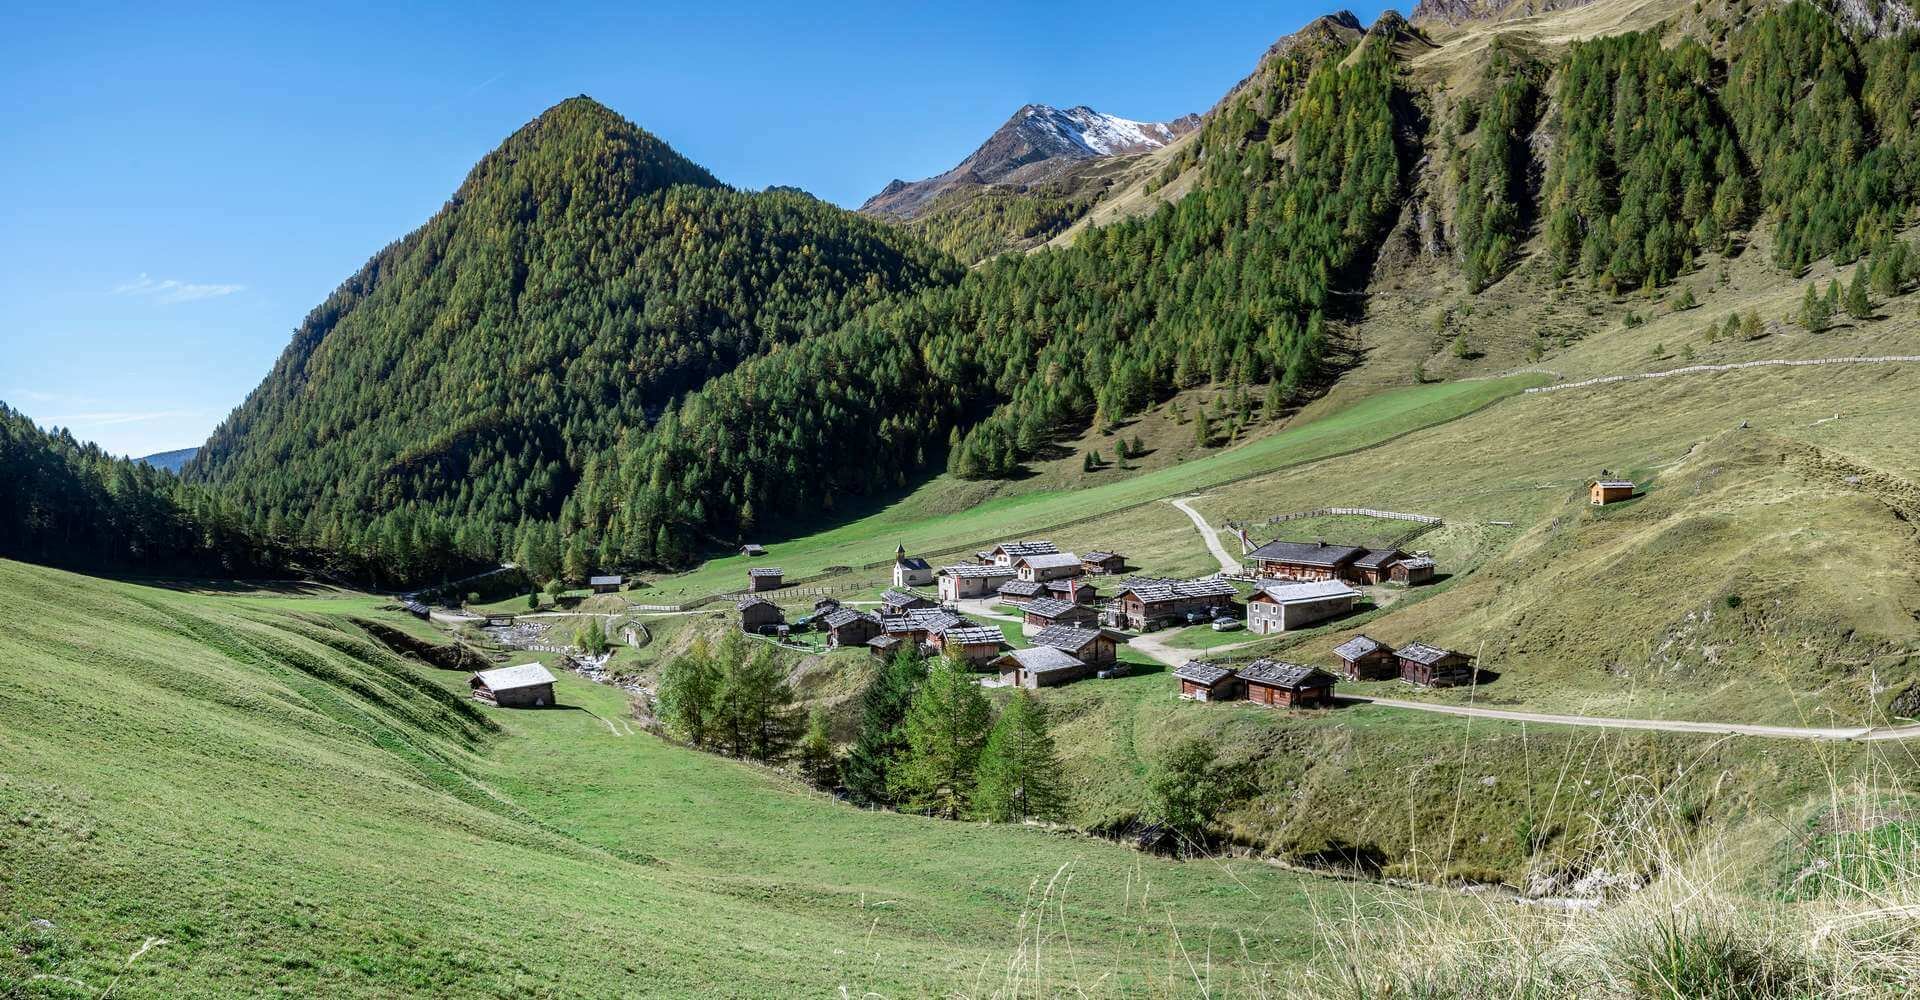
column 251, row 796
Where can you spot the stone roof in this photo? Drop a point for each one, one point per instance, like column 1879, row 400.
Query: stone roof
column 1021, row 588
column 1051, row 560
column 970, row 571
column 924, row 620
column 1297, row 593
column 969, row 633
column 1041, row 659
column 1151, row 590
column 1358, row 646
column 749, row 601
column 898, row 598
column 1053, row 607
column 1305, row 553
column 765, row 571
column 1417, row 562
column 1072, row 638
column 1100, row 557
column 1281, row 674
column 847, row 616
column 1014, row 550
column 525, row 675
column 1202, row 672
column 1378, row 558
column 1420, row 652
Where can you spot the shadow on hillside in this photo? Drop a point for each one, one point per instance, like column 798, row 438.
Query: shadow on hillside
column 236, row 588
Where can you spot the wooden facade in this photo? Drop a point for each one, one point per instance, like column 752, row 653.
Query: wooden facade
column 1103, row 562
column 606, row 584
column 1041, row 666
column 1287, row 685
column 1601, row 492
column 1413, row 572
column 1203, row 681
column 757, row 615
column 1044, row 611
column 846, row 627
column 1364, row 658
column 1148, row 604
column 1317, row 560
column 762, row 578
column 1096, row 646
column 977, row 645
column 1376, row 566
column 1431, row 666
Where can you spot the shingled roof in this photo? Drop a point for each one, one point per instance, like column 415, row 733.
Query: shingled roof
column 604, row 581
column 1202, row 672
column 925, row 620
column 1316, row 590
column 969, row 633
column 1306, row 553
column 901, row 598
column 1420, row 652
column 1614, row 484
column 1378, row 558
column 1281, row 674
column 1417, row 562
column 1014, row 550
column 1072, row 638
column 525, row 675
column 1051, row 607
column 1152, row 590
column 1021, row 588
column 1042, row 659
column 847, row 616
column 970, row 571
column 749, row 601
column 1358, row 646
column 1051, row 560
column 765, row 571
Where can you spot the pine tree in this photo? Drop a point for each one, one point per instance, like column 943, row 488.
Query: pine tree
column 817, row 763
column 753, row 703
column 1684, row 300
column 591, row 638
column 880, row 741
column 1858, row 304
column 1202, row 430
column 533, row 600
column 1019, row 768
column 946, row 728
column 1814, row 313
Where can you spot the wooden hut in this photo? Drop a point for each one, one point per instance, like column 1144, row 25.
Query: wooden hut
column 977, row 645
column 1044, row 611
column 1097, row 646
column 1413, row 571
column 1018, row 592
column 1376, row 566
column 764, row 578
column 1280, row 560
column 605, row 584
column 1287, row 685
column 757, row 614
column 1364, row 658
column 1103, row 562
column 1203, row 681
column 528, row 685
column 1041, row 666
column 847, row 627
column 1601, row 492
column 899, row 602
column 752, row 551
column 1278, row 607
column 1078, row 590
column 1431, row 666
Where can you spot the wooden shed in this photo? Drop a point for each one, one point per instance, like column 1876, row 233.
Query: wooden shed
column 528, row 685
column 1103, row 562
column 1287, row 685
column 764, row 578
column 1431, row 666
column 1364, row 658
column 899, row 602
column 1044, row 611
column 1041, row 666
column 1018, row 592
column 847, row 627
column 1376, row 566
column 752, row 551
column 1413, row 571
column 1203, row 681
column 416, row 609
column 1605, row 491
column 976, row 645
column 605, row 584
column 1079, row 590
column 1097, row 646
column 1278, row 607
column 757, row 614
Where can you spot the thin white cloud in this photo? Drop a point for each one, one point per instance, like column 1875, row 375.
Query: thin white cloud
column 170, row 291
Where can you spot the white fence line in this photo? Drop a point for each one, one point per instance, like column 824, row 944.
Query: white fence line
column 1390, row 515
column 1697, row 369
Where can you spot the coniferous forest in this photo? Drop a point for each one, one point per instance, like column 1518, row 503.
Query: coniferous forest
column 597, row 354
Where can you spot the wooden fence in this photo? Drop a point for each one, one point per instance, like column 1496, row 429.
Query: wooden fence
column 1423, row 523
column 1698, row 369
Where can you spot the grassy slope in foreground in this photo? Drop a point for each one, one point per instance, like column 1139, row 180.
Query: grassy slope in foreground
column 913, row 523
column 296, row 811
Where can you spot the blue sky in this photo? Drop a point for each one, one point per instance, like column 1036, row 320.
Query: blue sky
column 181, row 184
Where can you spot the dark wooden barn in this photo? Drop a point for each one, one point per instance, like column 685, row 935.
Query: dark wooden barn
column 1287, row 685
column 1203, row 681
column 1364, row 658
column 1431, row 666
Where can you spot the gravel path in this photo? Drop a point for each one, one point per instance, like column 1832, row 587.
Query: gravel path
column 1228, row 564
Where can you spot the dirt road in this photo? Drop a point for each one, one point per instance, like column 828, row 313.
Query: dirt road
column 1228, row 564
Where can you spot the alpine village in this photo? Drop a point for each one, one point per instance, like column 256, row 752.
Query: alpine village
column 1441, row 520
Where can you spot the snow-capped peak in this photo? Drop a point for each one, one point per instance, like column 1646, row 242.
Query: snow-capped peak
column 1097, row 133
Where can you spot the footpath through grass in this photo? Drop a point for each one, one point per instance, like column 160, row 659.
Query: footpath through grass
column 273, row 804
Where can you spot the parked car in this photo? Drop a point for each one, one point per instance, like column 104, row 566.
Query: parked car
column 1225, row 624
column 1195, row 617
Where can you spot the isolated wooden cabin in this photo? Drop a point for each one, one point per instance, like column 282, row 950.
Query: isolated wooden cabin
column 757, row 614
column 605, row 584
column 762, row 578
column 1203, row 681
column 1278, row 607
column 1431, row 666
column 847, row 627
column 1103, row 562
column 752, row 551
column 1601, row 492
column 1042, row 666
column 1364, row 658
column 966, row 581
column 1281, row 560
column 1095, row 646
column 1413, row 571
column 977, row 645
column 1044, row 611
column 528, row 685
column 1287, row 685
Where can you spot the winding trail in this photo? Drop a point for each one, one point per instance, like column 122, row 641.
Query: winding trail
column 1228, row 564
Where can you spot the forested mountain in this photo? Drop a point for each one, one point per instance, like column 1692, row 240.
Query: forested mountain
column 594, row 355
column 582, row 278
column 70, row 504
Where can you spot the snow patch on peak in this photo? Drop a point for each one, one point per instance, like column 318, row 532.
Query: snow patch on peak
column 1096, row 133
